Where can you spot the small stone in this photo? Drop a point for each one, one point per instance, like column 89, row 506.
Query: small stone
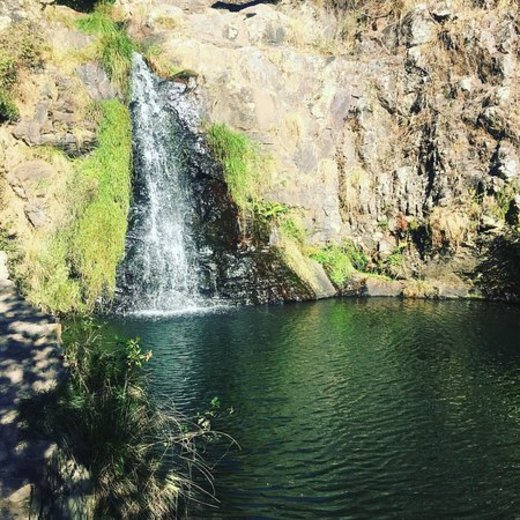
column 442, row 11
column 418, row 27
column 466, row 85
column 489, row 223
column 5, row 22
column 35, row 215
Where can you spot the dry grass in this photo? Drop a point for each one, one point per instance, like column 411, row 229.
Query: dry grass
column 356, row 187
column 419, row 289
column 448, row 227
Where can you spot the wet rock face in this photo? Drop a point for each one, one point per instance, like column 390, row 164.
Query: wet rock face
column 231, row 267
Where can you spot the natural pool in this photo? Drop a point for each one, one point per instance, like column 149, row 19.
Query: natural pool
column 362, row 409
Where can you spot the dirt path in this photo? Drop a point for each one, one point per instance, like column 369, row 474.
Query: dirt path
column 30, row 362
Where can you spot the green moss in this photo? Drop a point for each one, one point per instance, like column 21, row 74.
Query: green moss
column 243, row 163
column 341, row 261
column 98, row 235
column 78, row 265
column 115, row 47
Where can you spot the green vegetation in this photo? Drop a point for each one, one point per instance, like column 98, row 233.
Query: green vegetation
column 98, row 235
column 77, row 265
column 20, row 49
column 243, row 163
column 115, row 47
column 104, row 420
column 267, row 212
column 341, row 261
column 293, row 229
column 504, row 200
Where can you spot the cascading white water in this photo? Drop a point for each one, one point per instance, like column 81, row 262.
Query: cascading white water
column 160, row 272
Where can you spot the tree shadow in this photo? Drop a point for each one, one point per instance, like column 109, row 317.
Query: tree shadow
column 30, row 363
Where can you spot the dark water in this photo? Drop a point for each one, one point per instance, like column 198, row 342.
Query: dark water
column 354, row 409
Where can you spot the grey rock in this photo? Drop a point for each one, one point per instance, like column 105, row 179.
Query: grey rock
column 5, row 22
column 96, row 80
column 379, row 287
column 506, row 161
column 36, row 215
column 452, row 292
column 442, row 11
column 323, row 287
column 418, row 27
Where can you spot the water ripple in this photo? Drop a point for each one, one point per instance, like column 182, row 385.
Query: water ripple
column 353, row 409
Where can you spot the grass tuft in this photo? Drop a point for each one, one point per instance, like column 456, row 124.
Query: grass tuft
column 76, row 267
column 115, row 47
column 245, row 167
column 340, row 261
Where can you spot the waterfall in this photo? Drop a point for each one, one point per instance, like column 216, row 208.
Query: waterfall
column 160, row 272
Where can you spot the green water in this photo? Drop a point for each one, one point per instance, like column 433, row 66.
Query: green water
column 375, row 409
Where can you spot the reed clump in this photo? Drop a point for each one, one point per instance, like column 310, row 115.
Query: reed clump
column 140, row 458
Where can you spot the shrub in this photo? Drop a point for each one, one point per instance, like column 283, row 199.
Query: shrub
column 138, row 456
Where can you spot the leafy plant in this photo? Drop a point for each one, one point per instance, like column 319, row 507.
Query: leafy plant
column 268, row 211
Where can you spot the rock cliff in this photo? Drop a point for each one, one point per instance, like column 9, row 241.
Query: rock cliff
column 396, row 131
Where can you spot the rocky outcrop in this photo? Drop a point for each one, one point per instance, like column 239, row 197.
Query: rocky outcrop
column 402, row 136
